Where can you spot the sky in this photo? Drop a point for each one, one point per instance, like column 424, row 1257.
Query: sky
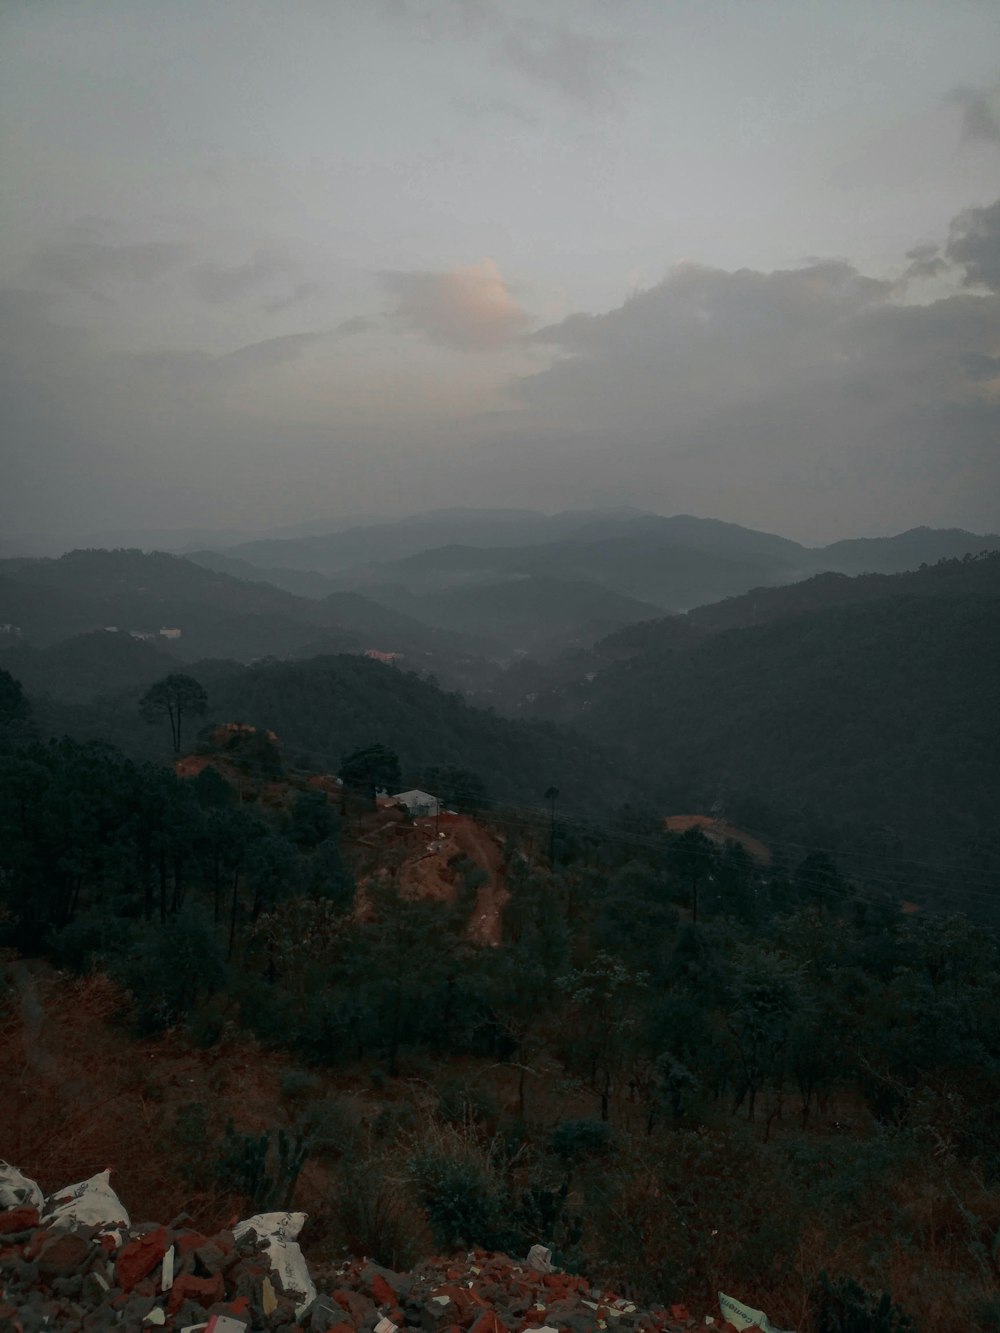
column 266, row 263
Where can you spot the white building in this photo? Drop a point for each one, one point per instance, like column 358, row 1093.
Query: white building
column 418, row 803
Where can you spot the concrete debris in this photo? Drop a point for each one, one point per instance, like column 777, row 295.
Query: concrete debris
column 95, row 1271
column 277, row 1233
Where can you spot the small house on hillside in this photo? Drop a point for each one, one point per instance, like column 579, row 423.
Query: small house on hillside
column 419, row 803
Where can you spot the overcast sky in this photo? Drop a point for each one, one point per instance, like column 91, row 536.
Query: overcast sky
column 274, row 260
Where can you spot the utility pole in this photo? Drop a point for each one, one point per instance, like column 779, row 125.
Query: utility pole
column 550, row 796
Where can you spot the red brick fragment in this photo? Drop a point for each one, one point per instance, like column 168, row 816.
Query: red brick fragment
column 203, row 1290
column 138, row 1259
column 383, row 1293
column 680, row 1313
column 488, row 1323
column 190, row 1240
column 18, row 1219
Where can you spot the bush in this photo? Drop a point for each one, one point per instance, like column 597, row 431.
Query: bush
column 262, row 1167
column 844, row 1306
column 575, row 1140
column 462, row 1191
column 374, row 1215
column 90, row 942
column 461, row 1103
column 169, row 970
column 326, row 1127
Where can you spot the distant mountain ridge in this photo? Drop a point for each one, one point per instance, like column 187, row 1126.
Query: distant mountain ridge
column 678, row 562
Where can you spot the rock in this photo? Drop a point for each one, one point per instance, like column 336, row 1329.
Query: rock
column 63, row 1253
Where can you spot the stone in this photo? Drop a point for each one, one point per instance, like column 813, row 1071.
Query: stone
column 210, row 1258
column 61, row 1253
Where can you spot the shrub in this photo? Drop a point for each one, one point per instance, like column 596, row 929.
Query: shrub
column 575, row 1140
column 326, row 1127
column 844, row 1306
column 461, row 1189
column 169, row 970
column 374, row 1215
column 461, row 1103
column 262, row 1167
column 90, row 942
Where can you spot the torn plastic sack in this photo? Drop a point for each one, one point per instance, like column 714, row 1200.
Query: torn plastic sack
column 280, row 1231
column 744, row 1316
column 90, row 1203
column 540, row 1259
column 16, row 1190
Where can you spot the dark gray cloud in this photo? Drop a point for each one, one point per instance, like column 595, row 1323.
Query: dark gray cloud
column 925, row 261
column 980, row 114
column 805, row 382
column 88, row 265
column 975, row 244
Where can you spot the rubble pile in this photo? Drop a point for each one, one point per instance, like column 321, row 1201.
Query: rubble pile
column 74, row 1261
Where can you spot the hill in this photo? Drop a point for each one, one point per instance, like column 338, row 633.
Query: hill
column 219, row 615
column 394, row 539
column 646, row 566
column 906, row 550
column 89, row 666
column 879, row 719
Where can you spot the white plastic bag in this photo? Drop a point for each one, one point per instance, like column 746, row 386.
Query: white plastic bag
column 90, row 1203
column 744, row 1316
column 540, row 1259
column 17, row 1191
column 280, row 1231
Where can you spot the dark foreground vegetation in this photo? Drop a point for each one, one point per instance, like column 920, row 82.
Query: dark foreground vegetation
column 685, row 1069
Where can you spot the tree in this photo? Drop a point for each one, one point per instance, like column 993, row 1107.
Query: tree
column 692, row 858
column 14, row 706
column 174, row 698
column 15, row 711
column 370, row 769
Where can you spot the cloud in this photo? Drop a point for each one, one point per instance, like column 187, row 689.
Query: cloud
column 88, row 266
column 356, row 324
column 926, row 261
column 221, row 284
column 980, row 114
column 302, row 291
column 974, row 243
column 272, row 351
column 785, row 388
column 586, row 70
column 469, row 309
